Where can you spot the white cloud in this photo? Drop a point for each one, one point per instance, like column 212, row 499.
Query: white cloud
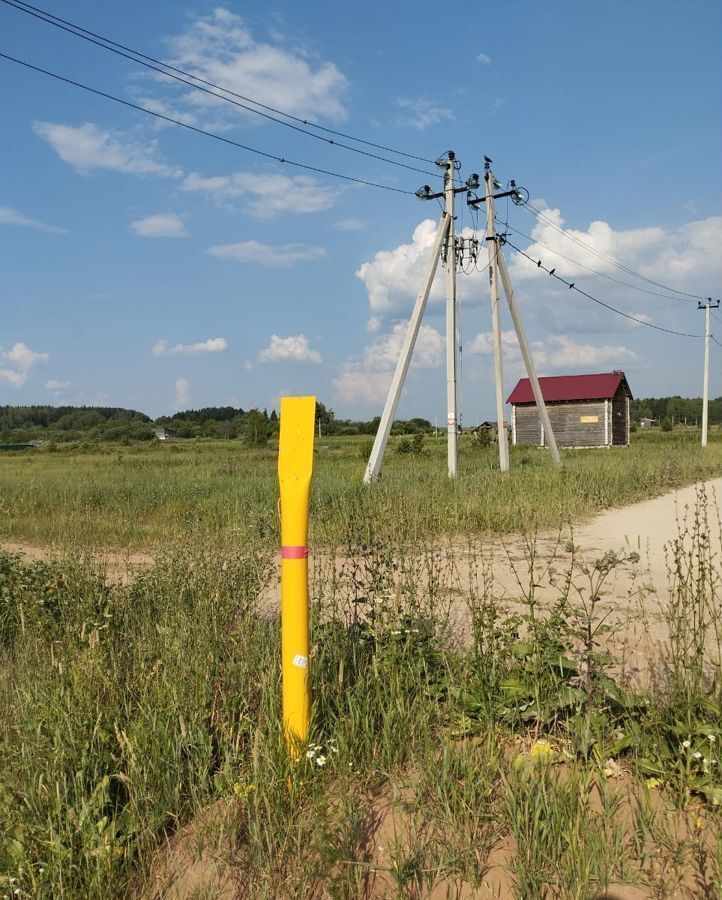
column 367, row 378
column 558, row 351
column 160, row 225
column 212, row 345
column 267, row 195
column 394, row 275
column 280, row 256
column 17, row 363
column 686, row 258
column 672, row 256
column 182, row 392
column 87, row 147
column 52, row 384
column 483, row 58
column 356, row 387
column 10, row 216
column 294, row 348
column 420, row 112
column 220, row 48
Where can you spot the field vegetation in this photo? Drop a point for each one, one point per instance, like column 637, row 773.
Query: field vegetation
column 141, row 752
column 148, row 495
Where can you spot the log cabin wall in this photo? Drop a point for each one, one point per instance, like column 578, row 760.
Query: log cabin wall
column 575, row 424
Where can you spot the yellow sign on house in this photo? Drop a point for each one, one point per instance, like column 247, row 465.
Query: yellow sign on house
column 587, row 420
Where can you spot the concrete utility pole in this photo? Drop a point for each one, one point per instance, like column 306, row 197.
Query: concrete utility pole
column 705, row 383
column 528, row 359
column 452, row 341
column 445, row 239
column 373, row 468
column 494, row 250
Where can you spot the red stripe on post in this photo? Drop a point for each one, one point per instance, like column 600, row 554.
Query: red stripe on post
column 294, row 552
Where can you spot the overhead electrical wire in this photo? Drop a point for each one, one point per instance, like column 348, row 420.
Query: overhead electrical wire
column 581, row 265
column 211, row 88
column 570, row 284
column 280, row 159
column 544, row 218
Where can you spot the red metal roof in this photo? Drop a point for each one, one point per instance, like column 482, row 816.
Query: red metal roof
column 571, row 387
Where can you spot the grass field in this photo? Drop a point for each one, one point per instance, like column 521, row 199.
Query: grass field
column 148, row 495
column 140, row 744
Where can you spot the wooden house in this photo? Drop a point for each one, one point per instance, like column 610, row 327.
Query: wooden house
column 584, row 410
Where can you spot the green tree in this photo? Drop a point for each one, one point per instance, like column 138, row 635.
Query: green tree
column 256, row 428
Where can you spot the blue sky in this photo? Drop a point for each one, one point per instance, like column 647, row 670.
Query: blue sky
column 150, row 267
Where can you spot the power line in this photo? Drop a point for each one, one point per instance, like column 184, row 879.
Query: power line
column 168, row 71
column 211, row 134
column 581, row 265
column 540, row 215
column 619, row 312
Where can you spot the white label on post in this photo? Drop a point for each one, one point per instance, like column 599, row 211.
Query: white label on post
column 300, row 661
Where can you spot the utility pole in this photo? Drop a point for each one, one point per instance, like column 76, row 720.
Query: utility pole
column 444, row 241
column 705, row 383
column 496, row 260
column 494, row 251
column 373, row 469
column 452, row 341
column 528, row 359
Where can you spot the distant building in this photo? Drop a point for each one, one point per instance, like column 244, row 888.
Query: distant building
column 584, row 410
column 646, row 422
column 165, row 434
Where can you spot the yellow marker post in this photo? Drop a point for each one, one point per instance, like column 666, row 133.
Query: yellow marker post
column 295, row 465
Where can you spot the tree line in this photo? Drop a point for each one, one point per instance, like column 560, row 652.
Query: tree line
column 62, row 424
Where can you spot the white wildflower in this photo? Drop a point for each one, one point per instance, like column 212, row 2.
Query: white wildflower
column 711, row 738
column 697, row 755
column 686, row 744
column 320, row 760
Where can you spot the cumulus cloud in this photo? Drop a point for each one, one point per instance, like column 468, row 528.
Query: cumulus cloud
column 160, row 225
column 686, row 258
column 294, row 348
column 367, row 379
column 17, row 363
column 87, row 147
column 483, row 58
column 558, row 351
column 52, row 384
column 10, row 216
column 681, row 257
column 280, row 256
column 212, row 345
column 266, row 196
column 393, row 276
column 220, row 48
column 182, row 392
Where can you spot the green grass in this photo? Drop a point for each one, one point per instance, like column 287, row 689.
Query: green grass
column 144, row 496
column 127, row 710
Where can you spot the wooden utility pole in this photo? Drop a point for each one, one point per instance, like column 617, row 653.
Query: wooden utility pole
column 494, row 250
column 705, row 382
